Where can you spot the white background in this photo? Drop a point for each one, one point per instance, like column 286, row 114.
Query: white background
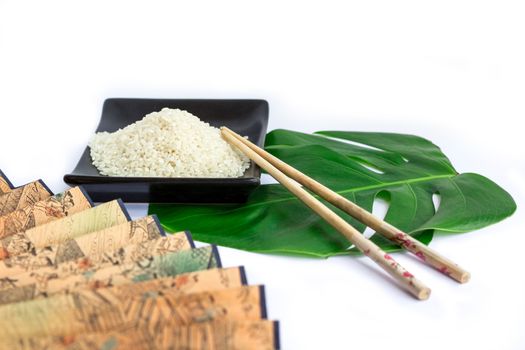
column 451, row 71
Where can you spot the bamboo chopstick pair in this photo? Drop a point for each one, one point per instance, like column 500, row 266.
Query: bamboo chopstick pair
column 289, row 177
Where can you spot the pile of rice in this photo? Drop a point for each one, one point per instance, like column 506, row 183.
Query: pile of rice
column 169, row 143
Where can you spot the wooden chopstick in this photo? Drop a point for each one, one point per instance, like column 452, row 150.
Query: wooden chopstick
column 431, row 257
column 369, row 248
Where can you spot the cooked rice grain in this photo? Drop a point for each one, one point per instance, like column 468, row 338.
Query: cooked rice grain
column 169, row 143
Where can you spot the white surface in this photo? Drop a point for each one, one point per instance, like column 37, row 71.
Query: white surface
column 450, row 71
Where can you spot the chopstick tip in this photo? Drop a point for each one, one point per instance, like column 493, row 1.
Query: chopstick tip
column 424, row 294
column 465, row 277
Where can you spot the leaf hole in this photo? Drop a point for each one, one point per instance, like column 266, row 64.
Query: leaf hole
column 379, row 210
column 267, row 179
column 436, row 200
column 353, row 143
column 365, row 146
column 370, row 167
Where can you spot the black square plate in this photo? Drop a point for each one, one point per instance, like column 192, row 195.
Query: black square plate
column 246, row 117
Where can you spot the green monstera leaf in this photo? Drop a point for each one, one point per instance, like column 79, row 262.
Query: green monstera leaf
column 404, row 170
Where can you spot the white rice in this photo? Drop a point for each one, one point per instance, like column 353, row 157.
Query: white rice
column 169, row 143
